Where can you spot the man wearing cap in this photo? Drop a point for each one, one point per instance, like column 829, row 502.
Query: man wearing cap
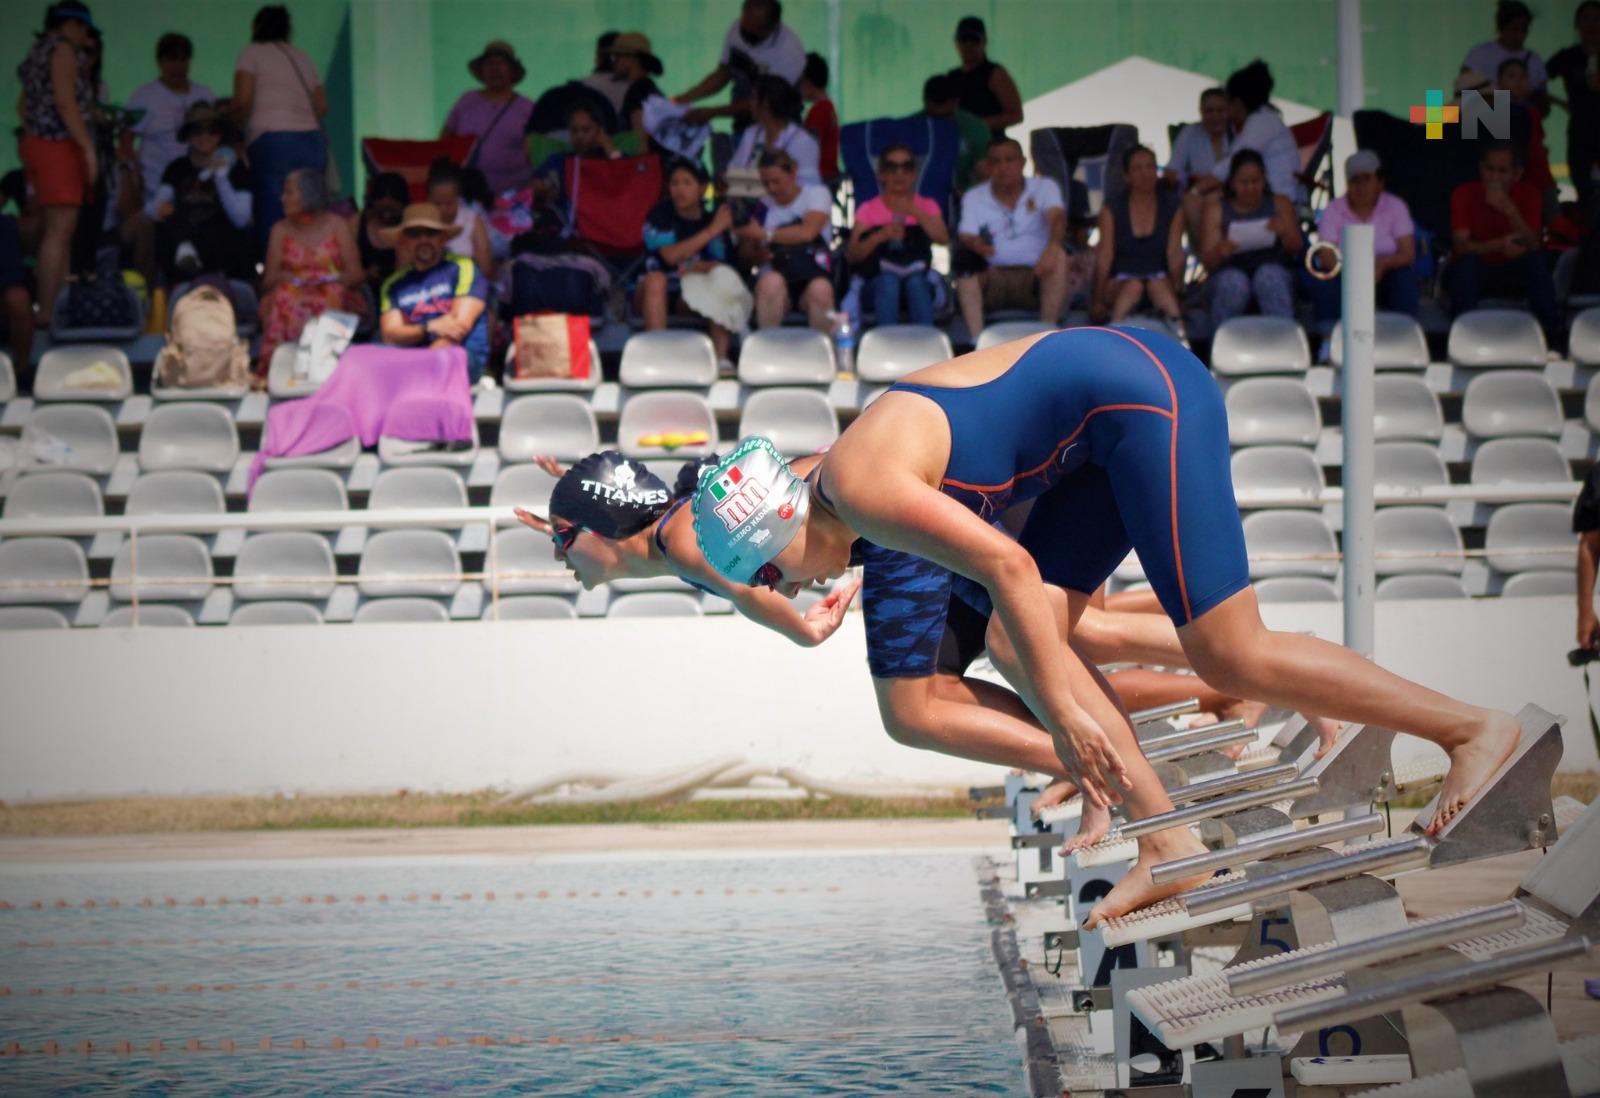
column 201, row 205
column 496, row 116
column 1394, row 248
column 434, row 298
column 165, row 101
column 987, row 89
column 757, row 44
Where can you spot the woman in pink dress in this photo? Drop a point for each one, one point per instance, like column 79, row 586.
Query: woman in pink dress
column 313, row 265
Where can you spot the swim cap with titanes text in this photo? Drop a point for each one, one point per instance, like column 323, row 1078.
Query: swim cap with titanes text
column 748, row 509
column 610, row 495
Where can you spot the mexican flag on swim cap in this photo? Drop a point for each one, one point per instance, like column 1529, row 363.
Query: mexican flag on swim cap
column 748, row 509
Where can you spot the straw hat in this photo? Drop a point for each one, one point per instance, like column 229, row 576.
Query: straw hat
column 420, row 215
column 634, row 42
column 498, row 48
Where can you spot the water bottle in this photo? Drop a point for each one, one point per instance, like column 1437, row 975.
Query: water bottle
column 844, row 343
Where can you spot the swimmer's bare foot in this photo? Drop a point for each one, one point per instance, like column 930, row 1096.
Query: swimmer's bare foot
column 1472, row 762
column 1240, row 710
column 1055, row 793
column 1327, row 733
column 1093, row 826
column 1136, row 889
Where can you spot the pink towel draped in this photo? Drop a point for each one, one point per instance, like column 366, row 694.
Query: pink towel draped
column 421, row 394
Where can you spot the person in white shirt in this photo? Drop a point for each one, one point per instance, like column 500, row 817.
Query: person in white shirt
column 1512, row 18
column 1196, row 152
column 165, row 101
column 1258, row 125
column 775, row 124
column 757, row 44
column 1014, row 224
column 790, row 241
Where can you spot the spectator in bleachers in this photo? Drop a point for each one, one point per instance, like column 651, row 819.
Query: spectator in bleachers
column 201, row 206
column 1196, row 153
column 1497, row 227
column 684, row 238
column 1578, row 69
column 1249, row 242
column 789, row 242
column 387, row 196
column 58, row 143
column 1513, row 78
column 588, row 138
column 1011, row 232
column 313, row 264
column 985, row 88
column 775, row 124
column 16, row 305
column 634, row 64
column 1512, row 18
column 445, row 192
column 165, row 102
column 435, row 298
column 604, row 78
column 1586, row 524
column 495, row 115
column 758, row 44
column 891, row 244
column 821, row 117
column 1394, row 241
column 278, row 97
column 1141, row 246
column 941, row 98
column 1257, row 126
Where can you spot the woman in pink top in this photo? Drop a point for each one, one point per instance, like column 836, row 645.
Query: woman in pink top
column 1394, row 248
column 278, row 99
column 313, row 265
column 893, row 238
column 496, row 116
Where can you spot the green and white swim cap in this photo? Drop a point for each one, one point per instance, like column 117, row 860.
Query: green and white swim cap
column 748, row 509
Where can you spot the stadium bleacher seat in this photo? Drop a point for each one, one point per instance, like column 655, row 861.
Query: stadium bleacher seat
column 342, row 456
column 409, row 562
column 16, row 618
column 1420, row 585
column 1416, row 530
column 175, row 492
column 417, row 487
column 1295, row 589
column 1591, row 404
column 284, row 564
column 533, row 608
column 1531, row 537
column 78, row 437
column 155, row 616
column 1399, row 343
column 668, row 359
column 1404, row 408
column 1407, row 466
column 658, row 412
column 54, row 495
column 1529, row 585
column 526, row 486
column 189, row 436
column 786, row 356
column 559, row 425
column 399, row 451
column 891, row 351
column 798, row 421
column 1511, row 402
column 1583, row 338
column 281, row 382
column 1004, row 331
column 1519, row 461
column 1246, row 345
column 276, row 613
column 587, row 383
column 1278, row 469
column 1272, row 410
column 59, row 562
column 1290, row 534
column 299, row 490
column 520, row 549
column 654, row 604
column 8, row 378
column 390, row 611
column 172, row 568
column 1493, row 338
column 54, row 380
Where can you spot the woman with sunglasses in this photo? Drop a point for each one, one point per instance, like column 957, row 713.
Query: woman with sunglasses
column 203, row 201
column 1119, row 438
column 892, row 242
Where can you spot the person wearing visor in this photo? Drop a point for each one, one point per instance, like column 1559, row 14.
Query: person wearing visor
column 1120, row 439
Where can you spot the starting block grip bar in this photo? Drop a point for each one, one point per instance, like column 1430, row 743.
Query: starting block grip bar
column 1334, row 831
column 1401, row 854
column 1162, row 712
column 1232, row 783
column 1189, row 735
column 1431, row 985
column 1221, row 806
column 1385, row 947
column 1197, row 742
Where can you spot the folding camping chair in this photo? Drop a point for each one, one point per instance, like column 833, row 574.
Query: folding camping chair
column 410, row 159
column 1314, row 138
column 1092, row 155
column 935, row 141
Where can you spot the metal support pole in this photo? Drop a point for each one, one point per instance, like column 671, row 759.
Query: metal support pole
column 1352, row 70
column 1358, row 323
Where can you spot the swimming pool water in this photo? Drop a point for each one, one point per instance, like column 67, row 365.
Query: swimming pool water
column 775, row 975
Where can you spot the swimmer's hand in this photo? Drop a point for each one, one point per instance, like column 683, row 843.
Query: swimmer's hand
column 550, row 465
column 531, row 520
column 824, row 619
column 1085, row 750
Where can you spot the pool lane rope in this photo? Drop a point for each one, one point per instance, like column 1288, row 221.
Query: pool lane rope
column 125, row 1047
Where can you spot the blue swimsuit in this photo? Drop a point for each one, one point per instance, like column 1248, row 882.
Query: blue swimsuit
column 1121, row 437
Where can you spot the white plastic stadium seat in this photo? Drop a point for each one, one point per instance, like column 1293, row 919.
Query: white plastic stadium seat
column 1583, row 338
column 176, row 492
column 525, row 486
column 557, row 424
column 79, row 437
column 417, row 486
column 59, row 562
column 1294, row 534
column 54, row 495
column 1278, row 469
column 1295, row 589
column 18, row 618
column 428, row 557
column 172, row 568
column 534, row 608
column 520, row 549
column 1399, row 343
column 1511, row 402
column 59, row 376
column 189, row 436
column 892, row 351
column 1420, row 585
column 786, row 356
column 668, row 359
column 8, row 379
column 391, row 611
column 299, row 490
column 276, row 613
column 1495, row 338
column 1530, row 585
column 1405, row 408
column 149, row 617
column 1519, row 461
column 655, row 604
column 1006, row 330
column 1260, row 345
column 798, row 421
column 1408, row 466
column 1591, row 402
column 1272, row 410
column 668, row 411
column 1416, row 530
column 553, row 384
column 341, row 456
column 284, row 564
column 400, row 451
column 1531, row 537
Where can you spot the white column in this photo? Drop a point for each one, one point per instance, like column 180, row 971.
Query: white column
column 1358, row 322
column 1352, row 73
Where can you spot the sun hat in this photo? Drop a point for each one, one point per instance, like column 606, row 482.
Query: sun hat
column 748, row 509
column 498, row 48
column 634, row 42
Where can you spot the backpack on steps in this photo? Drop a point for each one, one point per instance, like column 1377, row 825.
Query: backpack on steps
column 203, row 349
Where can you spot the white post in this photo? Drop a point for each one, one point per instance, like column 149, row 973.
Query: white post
column 1358, row 322
column 1352, row 70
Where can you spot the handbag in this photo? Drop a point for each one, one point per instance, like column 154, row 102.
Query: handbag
column 552, row 345
column 330, row 169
